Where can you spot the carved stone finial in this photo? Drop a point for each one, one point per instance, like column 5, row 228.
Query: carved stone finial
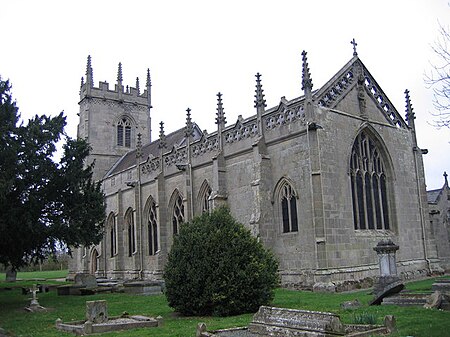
column 445, row 178
column 260, row 102
column 162, row 136
column 138, row 89
column 353, row 42
column 119, row 74
column 149, row 81
column 220, row 119
column 307, row 84
column 89, row 72
column 82, row 81
column 149, row 92
column 189, row 129
column 410, row 115
column 139, row 146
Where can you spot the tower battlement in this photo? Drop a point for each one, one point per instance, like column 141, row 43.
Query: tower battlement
column 111, row 119
column 120, row 93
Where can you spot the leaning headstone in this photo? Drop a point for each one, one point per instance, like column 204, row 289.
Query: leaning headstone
column 96, row 311
column 390, row 323
column 86, row 280
column 434, row 301
column 388, row 283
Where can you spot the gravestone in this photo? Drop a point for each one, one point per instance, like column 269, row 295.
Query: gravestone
column 86, row 280
column 281, row 322
column 11, row 275
column 388, row 283
column 96, row 311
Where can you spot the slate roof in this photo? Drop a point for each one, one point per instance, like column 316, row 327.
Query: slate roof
column 176, row 138
column 433, row 196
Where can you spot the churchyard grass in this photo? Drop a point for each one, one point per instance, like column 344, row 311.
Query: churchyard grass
column 411, row 321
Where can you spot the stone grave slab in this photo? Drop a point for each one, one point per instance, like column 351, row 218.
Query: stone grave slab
column 281, row 322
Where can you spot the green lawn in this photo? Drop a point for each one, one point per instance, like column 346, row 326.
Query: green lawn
column 411, row 321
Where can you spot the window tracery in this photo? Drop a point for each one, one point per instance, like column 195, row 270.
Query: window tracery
column 288, row 204
column 129, row 223
column 124, row 132
column 152, row 230
column 369, row 185
column 177, row 214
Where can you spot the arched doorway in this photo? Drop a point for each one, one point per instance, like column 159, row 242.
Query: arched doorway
column 93, row 267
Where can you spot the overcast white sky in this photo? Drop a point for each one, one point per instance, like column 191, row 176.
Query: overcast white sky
column 196, row 48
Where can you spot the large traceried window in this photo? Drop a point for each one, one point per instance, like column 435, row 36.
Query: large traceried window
column 124, row 132
column 131, row 231
column 288, row 206
column 369, row 185
column 152, row 229
column 112, row 227
column 177, row 214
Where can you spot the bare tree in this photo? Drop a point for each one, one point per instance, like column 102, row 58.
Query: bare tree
column 438, row 79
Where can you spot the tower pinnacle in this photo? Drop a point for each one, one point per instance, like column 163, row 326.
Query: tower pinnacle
column 189, row 130
column 119, row 74
column 220, row 119
column 89, row 75
column 260, row 102
column 306, row 77
column 410, row 115
column 138, row 89
column 162, row 136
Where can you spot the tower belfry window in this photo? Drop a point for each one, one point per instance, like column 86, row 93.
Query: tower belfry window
column 369, row 185
column 124, row 133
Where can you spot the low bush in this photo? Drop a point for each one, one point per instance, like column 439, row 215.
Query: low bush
column 216, row 267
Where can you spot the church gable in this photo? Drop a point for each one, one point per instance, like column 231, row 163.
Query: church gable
column 354, row 85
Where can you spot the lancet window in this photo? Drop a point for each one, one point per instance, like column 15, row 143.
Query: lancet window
column 177, row 214
column 112, row 226
column 369, row 185
column 124, row 132
column 152, row 229
column 204, row 196
column 131, row 231
column 288, row 206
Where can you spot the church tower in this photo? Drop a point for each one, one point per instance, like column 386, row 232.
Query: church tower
column 110, row 120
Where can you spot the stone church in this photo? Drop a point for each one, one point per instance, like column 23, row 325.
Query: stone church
column 320, row 179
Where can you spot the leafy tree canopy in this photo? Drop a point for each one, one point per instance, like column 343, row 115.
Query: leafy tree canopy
column 216, row 267
column 45, row 204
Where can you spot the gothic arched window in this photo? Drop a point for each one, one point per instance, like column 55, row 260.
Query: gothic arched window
column 288, row 206
column 152, row 229
column 124, row 132
column 204, row 196
column 177, row 214
column 129, row 225
column 369, row 185
column 112, row 227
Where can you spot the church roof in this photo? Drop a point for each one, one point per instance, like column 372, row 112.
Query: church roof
column 433, row 196
column 151, row 150
column 337, row 88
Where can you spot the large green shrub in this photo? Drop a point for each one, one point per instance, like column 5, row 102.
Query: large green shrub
column 216, row 267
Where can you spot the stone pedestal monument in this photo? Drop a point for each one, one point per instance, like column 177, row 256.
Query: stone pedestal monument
column 388, row 282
